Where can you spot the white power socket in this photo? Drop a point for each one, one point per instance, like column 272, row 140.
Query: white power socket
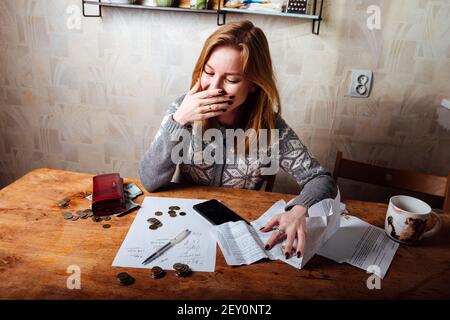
column 361, row 83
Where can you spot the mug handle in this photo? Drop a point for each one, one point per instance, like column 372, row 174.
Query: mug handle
column 436, row 227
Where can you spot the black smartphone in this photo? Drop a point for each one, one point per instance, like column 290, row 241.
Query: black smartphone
column 216, row 212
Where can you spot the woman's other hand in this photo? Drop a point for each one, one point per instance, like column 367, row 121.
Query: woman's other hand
column 292, row 225
column 199, row 105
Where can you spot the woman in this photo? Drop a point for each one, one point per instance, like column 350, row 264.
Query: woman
column 233, row 86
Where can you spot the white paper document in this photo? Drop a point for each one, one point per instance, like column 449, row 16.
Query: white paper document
column 244, row 244
column 198, row 250
column 360, row 244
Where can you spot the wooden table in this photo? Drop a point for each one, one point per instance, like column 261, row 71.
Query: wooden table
column 37, row 246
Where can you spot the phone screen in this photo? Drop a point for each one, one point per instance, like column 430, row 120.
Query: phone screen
column 216, row 212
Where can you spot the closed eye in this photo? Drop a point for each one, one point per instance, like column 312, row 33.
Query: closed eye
column 228, row 80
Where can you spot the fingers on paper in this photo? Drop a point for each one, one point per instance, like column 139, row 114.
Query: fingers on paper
column 274, row 238
column 271, row 223
column 290, row 237
column 301, row 236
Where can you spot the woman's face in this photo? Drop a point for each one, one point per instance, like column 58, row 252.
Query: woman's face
column 223, row 71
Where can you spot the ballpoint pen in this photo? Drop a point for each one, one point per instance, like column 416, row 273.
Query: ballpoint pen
column 167, row 246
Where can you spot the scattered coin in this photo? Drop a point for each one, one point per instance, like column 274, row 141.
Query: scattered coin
column 88, row 213
column 96, row 219
column 128, row 282
column 75, row 218
column 173, row 215
column 178, row 266
column 106, row 226
column 123, row 276
column 154, row 223
column 80, row 213
column 63, row 203
column 152, row 220
column 174, row 208
column 182, row 213
column 125, row 279
column 107, row 218
column 157, row 272
column 184, row 273
column 182, row 270
column 172, row 212
column 158, row 213
column 153, row 226
column 67, row 215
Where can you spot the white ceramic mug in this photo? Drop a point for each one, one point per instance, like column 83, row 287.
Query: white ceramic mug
column 407, row 219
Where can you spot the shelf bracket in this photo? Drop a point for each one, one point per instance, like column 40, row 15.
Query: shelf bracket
column 316, row 26
column 316, row 22
column 83, row 3
column 221, row 13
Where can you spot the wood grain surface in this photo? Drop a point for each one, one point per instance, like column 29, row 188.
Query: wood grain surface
column 37, row 246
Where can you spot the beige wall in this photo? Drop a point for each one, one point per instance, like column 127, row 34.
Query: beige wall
column 91, row 100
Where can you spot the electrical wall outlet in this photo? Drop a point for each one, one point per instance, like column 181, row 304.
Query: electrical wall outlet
column 361, row 83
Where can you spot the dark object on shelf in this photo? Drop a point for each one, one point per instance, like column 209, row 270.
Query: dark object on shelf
column 166, row 3
column 297, row 6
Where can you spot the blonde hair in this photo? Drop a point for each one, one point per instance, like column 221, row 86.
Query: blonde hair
column 264, row 104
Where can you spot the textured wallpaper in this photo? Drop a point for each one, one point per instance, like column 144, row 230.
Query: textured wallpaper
column 89, row 96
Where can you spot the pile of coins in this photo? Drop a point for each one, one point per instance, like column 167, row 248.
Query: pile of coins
column 125, row 279
column 182, row 270
column 84, row 214
column 158, row 272
column 154, row 223
column 80, row 214
column 172, row 211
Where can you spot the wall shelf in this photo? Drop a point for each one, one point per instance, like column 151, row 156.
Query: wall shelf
column 221, row 12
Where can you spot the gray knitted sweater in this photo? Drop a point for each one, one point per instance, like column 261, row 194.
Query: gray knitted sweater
column 156, row 167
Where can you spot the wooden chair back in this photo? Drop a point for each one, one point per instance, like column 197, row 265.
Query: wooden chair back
column 393, row 178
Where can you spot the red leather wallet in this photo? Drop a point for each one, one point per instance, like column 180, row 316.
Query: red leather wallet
column 107, row 195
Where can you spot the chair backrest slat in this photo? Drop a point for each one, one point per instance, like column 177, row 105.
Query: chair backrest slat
column 394, row 178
